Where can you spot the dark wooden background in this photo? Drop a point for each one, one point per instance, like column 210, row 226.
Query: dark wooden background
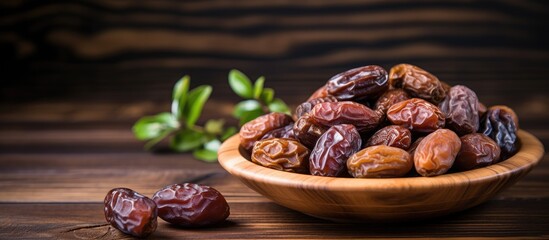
column 77, row 74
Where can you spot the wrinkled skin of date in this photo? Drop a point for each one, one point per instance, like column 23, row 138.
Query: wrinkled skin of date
column 309, row 104
column 461, row 110
column 281, row 154
column 393, row 136
column 436, row 153
column 307, row 131
column 379, row 162
column 477, row 150
column 389, row 98
column 283, row 132
column 417, row 115
column 417, row 82
column 130, row 212
column 500, row 123
column 346, row 112
column 364, row 82
column 255, row 129
column 191, row 205
column 319, row 93
column 330, row 154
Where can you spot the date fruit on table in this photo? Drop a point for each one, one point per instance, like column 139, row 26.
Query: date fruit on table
column 191, row 205
column 130, row 212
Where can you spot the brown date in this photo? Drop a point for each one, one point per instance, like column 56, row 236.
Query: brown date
column 417, row 115
column 309, row 104
column 414, row 145
column 389, row 98
column 283, row 132
column 379, row 161
column 500, row 123
column 477, row 150
column 436, row 153
column 130, row 212
column 417, row 82
column 364, row 82
column 346, row 112
column 307, row 131
column 393, row 136
column 191, row 205
column 461, row 110
column 255, row 129
column 281, row 154
column 330, row 154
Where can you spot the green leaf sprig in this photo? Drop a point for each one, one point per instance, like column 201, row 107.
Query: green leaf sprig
column 180, row 124
column 258, row 99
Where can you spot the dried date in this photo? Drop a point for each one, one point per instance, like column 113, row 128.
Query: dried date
column 461, row 110
column 346, row 112
column 130, row 212
column 417, row 115
column 191, row 205
column 330, row 154
column 307, row 131
column 417, row 82
column 389, row 98
column 309, row 104
column 436, row 153
column 281, row 154
column 379, row 161
column 364, row 82
column 500, row 123
column 477, row 150
column 283, row 132
column 393, row 136
column 255, row 129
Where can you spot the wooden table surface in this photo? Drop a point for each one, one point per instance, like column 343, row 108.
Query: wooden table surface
column 77, row 74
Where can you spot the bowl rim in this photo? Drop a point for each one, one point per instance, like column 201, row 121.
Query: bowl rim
column 231, row 159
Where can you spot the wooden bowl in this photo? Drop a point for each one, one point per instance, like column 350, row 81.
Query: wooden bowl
column 388, row 199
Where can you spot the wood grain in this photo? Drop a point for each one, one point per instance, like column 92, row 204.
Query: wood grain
column 75, row 49
column 265, row 220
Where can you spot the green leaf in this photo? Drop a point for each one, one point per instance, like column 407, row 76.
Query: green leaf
column 267, row 95
column 228, row 133
column 240, row 84
column 150, row 127
column 212, row 145
column 246, row 106
column 205, row 155
column 258, row 87
column 179, row 96
column 196, row 100
column 250, row 115
column 214, row 126
column 279, row 106
column 187, row 139
column 154, row 141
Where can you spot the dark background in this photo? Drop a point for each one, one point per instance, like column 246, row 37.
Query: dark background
column 132, row 52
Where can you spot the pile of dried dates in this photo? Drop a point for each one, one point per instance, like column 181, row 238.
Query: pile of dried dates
column 367, row 123
column 185, row 205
